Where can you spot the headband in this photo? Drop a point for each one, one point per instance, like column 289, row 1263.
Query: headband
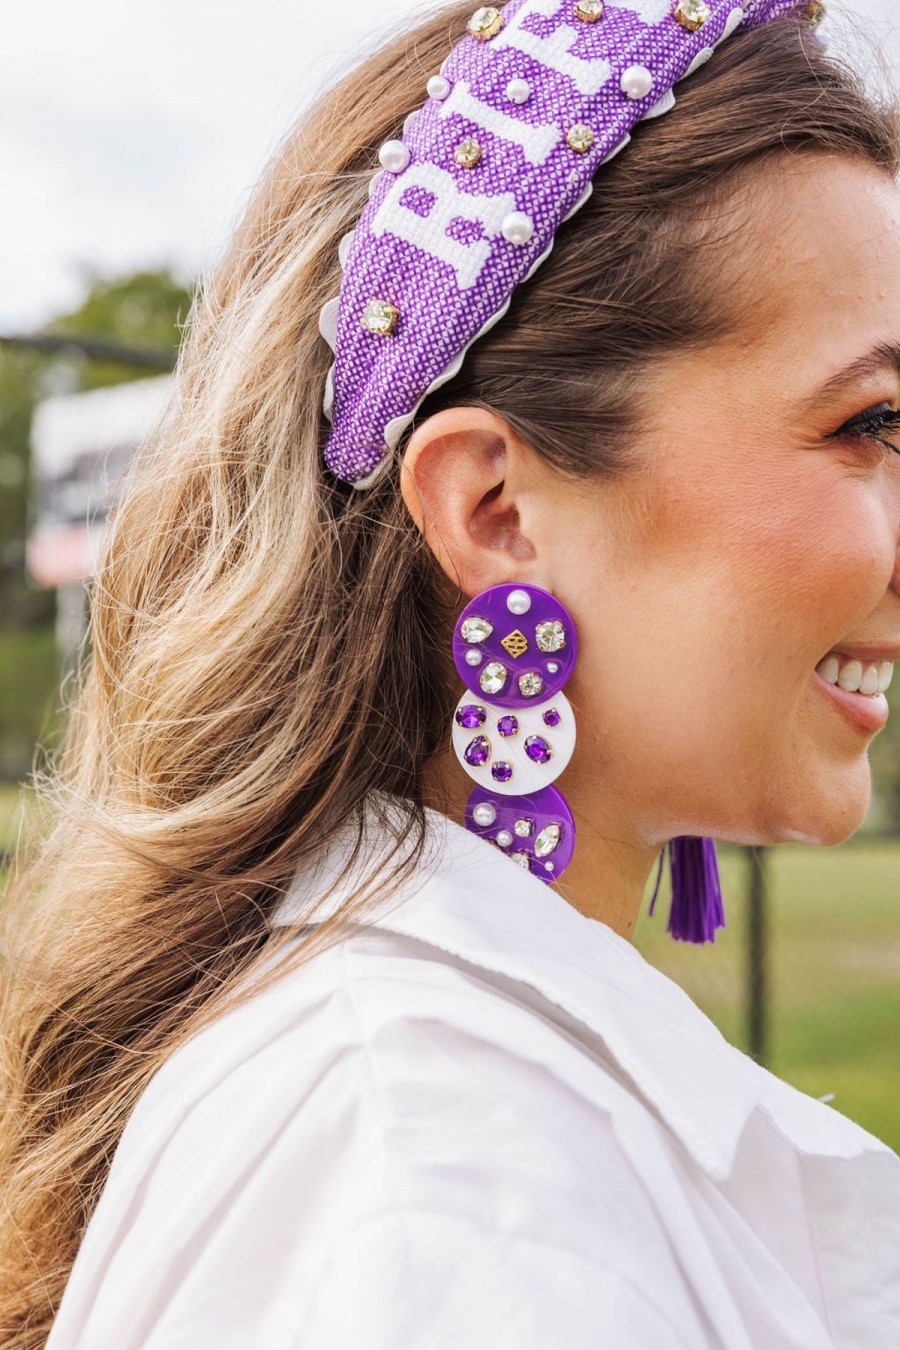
column 526, row 107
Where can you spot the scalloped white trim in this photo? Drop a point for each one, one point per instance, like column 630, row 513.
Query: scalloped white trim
column 665, row 104
column 344, row 247
column 699, row 60
column 735, row 18
column 328, row 321
column 328, row 400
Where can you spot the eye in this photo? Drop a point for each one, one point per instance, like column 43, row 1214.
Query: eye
column 872, row 425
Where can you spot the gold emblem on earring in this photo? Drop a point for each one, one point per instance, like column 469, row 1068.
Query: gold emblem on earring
column 516, row 643
column 589, row 11
column 485, row 22
column 692, row 14
column 580, row 137
column 468, row 152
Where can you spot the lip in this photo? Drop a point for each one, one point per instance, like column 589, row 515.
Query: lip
column 867, row 652
column 867, row 713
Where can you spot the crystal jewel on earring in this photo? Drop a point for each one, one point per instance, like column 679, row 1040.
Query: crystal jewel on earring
column 471, row 715
column 478, row 751
column 476, row 629
column 530, row 684
column 547, row 840
column 537, row 749
column 493, row 677
column 551, row 636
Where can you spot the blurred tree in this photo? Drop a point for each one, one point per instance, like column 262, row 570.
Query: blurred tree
column 142, row 310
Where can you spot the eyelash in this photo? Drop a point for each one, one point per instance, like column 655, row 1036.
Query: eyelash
column 871, row 425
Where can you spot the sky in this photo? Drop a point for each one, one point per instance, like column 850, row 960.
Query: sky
column 133, row 133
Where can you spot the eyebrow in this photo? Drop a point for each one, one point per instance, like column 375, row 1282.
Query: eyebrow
column 884, row 356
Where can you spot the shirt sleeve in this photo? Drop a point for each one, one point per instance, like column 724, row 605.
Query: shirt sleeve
column 376, row 1173
column 435, row 1282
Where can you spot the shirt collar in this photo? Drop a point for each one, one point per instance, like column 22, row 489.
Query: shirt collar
column 467, row 898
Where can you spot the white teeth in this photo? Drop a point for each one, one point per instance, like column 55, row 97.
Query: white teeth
column 850, row 676
column 829, row 669
column 869, row 682
column 856, row 678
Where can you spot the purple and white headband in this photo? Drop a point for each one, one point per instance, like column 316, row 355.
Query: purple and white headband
column 534, row 98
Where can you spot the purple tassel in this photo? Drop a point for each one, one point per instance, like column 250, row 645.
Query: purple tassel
column 697, row 909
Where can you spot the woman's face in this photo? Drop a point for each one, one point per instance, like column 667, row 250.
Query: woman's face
column 758, row 541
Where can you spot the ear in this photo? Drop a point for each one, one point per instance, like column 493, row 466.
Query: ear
column 464, row 477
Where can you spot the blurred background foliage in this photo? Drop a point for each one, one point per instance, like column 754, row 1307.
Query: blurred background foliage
column 144, row 311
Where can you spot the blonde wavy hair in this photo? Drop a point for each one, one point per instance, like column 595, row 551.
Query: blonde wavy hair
column 266, row 647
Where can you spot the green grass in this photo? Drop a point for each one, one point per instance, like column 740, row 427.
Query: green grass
column 833, row 938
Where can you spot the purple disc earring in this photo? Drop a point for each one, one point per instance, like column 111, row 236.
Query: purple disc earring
column 513, row 730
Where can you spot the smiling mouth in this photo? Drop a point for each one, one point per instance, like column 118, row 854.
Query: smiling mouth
column 855, row 676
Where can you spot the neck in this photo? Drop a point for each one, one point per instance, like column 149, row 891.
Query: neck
column 608, row 874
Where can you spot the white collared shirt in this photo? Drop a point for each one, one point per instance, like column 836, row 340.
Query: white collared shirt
column 481, row 1122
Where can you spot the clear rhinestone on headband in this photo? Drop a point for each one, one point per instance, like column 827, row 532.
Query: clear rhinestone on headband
column 485, row 22
column 692, row 14
column 379, row 316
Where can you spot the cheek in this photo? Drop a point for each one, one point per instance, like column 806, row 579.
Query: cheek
column 700, row 632
column 794, row 556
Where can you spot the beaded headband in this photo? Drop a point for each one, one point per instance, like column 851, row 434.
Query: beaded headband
column 533, row 99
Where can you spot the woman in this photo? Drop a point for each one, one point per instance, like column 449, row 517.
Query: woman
column 379, row 1086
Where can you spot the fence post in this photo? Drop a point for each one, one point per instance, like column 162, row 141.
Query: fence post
column 757, row 954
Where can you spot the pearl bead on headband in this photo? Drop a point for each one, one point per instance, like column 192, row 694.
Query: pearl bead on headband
column 534, row 98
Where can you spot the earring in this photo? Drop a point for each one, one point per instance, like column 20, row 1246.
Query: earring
column 513, row 731
column 697, row 909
